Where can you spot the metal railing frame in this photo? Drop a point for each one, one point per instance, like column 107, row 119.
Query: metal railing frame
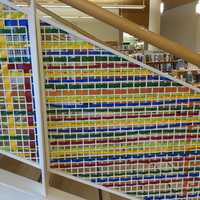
column 35, row 40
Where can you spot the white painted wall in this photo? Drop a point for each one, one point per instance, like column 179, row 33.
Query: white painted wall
column 99, row 29
column 91, row 25
column 154, row 16
column 181, row 25
column 198, row 35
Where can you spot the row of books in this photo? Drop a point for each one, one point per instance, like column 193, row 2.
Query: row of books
column 171, row 64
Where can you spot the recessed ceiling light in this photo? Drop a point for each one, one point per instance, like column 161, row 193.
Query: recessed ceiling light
column 198, row 7
column 162, row 7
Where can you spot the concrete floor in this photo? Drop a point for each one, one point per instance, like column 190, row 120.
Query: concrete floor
column 9, row 193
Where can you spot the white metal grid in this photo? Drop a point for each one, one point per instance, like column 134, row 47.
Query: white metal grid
column 67, row 89
column 137, row 167
column 18, row 125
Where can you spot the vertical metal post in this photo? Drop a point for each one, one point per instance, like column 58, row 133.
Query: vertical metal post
column 39, row 88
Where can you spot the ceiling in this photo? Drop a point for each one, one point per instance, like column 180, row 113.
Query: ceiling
column 168, row 3
column 140, row 16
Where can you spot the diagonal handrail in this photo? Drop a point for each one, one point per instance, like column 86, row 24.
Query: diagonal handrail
column 135, row 30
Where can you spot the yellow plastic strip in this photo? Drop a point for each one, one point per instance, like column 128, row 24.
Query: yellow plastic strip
column 124, row 122
column 102, row 72
column 11, row 15
column 66, row 45
column 128, row 97
column 14, row 45
column 122, row 152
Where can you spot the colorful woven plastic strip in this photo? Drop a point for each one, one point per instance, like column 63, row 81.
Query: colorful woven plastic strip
column 18, row 133
column 117, row 124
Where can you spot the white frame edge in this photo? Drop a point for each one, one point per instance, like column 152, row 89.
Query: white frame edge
column 40, row 105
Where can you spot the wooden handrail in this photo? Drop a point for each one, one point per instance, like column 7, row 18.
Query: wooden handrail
column 135, row 30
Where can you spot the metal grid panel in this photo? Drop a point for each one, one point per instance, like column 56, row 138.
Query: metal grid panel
column 18, row 133
column 117, row 124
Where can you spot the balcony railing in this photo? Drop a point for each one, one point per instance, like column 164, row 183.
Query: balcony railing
column 73, row 107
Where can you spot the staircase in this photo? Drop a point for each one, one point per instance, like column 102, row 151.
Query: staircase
column 86, row 119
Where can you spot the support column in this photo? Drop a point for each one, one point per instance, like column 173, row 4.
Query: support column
column 154, row 19
column 198, row 34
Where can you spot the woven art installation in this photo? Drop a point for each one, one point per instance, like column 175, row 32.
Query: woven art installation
column 110, row 121
column 18, row 132
column 118, row 124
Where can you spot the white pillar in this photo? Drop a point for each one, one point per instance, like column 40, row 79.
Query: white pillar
column 154, row 19
column 39, row 88
column 198, row 34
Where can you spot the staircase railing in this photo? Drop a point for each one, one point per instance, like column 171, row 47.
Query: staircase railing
column 113, row 123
